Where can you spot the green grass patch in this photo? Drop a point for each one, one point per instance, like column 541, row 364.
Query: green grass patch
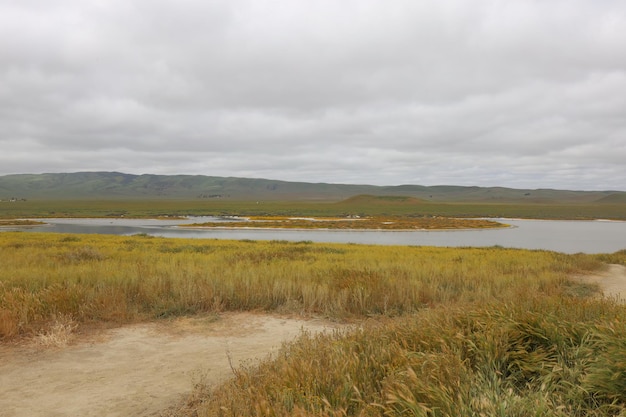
column 360, row 205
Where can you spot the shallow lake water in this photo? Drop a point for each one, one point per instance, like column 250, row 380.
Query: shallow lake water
column 597, row 236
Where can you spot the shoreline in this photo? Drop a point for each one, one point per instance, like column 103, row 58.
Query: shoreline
column 325, row 229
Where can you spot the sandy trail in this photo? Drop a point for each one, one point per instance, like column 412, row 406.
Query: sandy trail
column 612, row 282
column 144, row 369
column 137, row 370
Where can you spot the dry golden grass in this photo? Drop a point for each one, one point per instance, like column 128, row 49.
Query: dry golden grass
column 547, row 356
column 18, row 222
column 369, row 222
column 123, row 279
column 58, row 334
column 443, row 332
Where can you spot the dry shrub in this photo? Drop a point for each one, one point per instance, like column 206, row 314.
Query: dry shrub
column 8, row 324
column 83, row 254
column 58, row 334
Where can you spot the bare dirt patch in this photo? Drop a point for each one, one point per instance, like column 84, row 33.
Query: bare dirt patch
column 612, row 282
column 137, row 370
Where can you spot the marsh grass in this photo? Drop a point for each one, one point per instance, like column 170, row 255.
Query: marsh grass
column 124, row 279
column 18, row 222
column 369, row 222
column 442, row 332
column 504, row 360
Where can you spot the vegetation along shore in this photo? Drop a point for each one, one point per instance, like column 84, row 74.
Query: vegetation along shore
column 441, row 332
column 421, row 331
column 353, row 223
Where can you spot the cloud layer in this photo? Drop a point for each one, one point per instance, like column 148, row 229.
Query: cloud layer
column 527, row 94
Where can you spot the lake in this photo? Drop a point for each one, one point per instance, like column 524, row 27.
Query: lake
column 597, row 236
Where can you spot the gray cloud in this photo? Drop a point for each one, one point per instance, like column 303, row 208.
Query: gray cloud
column 520, row 94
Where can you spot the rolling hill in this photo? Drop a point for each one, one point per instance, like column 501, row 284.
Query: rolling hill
column 116, row 185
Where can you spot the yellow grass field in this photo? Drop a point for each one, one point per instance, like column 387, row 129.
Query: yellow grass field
column 442, row 332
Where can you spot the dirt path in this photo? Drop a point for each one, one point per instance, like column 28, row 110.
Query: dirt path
column 137, row 370
column 141, row 370
column 612, row 282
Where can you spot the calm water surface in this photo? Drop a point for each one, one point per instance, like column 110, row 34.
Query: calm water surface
column 562, row 236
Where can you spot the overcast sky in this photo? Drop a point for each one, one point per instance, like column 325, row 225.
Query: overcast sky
column 514, row 93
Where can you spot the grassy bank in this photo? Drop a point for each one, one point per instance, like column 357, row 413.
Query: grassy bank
column 442, row 331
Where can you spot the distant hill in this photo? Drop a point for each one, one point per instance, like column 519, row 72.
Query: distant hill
column 116, row 185
column 614, row 198
column 365, row 199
